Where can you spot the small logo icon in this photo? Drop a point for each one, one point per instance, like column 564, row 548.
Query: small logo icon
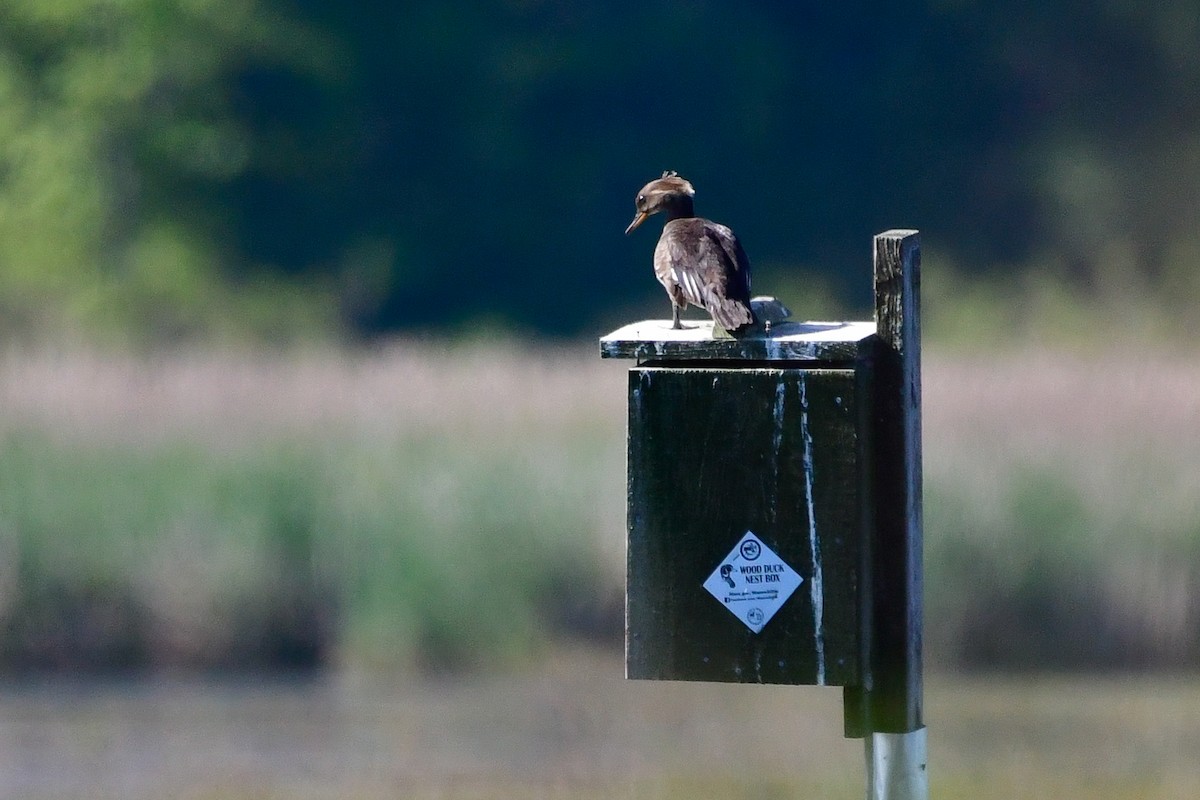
column 725, row 570
column 750, row 549
column 755, row 616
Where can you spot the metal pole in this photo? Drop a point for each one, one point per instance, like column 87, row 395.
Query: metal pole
column 896, row 766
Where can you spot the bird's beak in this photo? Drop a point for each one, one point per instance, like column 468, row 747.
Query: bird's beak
column 638, row 220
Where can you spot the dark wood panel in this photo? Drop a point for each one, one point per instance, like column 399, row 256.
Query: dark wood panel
column 714, row 453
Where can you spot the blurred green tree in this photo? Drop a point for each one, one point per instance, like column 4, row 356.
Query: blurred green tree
column 213, row 167
column 121, row 131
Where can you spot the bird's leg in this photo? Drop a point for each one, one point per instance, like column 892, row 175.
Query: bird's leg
column 675, row 325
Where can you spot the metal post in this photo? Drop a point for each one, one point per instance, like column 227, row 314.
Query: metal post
column 896, row 766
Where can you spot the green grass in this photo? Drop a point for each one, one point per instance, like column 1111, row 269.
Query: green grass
column 410, row 547
column 462, row 505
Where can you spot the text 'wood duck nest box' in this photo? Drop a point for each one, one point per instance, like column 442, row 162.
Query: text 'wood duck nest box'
column 774, row 501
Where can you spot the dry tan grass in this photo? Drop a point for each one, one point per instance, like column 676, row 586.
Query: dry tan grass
column 1123, row 427
column 465, row 391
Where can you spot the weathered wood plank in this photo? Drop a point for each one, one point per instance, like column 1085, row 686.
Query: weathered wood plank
column 714, row 453
column 654, row 340
column 892, row 703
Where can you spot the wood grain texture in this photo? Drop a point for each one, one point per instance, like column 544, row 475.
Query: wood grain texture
column 713, row 453
column 891, row 702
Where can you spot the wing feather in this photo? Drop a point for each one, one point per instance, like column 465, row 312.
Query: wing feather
column 703, row 264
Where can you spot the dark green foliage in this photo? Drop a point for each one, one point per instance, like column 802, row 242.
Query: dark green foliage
column 275, row 167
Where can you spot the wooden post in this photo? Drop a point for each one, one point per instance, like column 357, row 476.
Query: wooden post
column 895, row 697
column 890, row 704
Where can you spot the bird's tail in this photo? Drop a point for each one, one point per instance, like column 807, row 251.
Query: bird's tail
column 732, row 315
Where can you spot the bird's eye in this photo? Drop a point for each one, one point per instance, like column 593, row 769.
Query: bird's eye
column 641, row 199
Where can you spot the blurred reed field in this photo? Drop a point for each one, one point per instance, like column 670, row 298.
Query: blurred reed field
column 404, row 506
column 435, row 506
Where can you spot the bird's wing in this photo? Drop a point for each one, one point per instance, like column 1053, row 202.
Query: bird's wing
column 737, row 263
column 690, row 261
column 704, row 264
column 725, row 277
column 673, row 265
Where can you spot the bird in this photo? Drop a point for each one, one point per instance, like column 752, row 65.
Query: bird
column 698, row 261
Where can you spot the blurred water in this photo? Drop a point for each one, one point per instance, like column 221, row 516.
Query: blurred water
column 575, row 720
column 573, row 728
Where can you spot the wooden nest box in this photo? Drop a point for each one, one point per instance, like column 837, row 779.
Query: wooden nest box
column 774, row 501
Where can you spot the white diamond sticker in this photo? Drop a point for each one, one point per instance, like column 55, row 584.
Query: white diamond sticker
column 753, row 582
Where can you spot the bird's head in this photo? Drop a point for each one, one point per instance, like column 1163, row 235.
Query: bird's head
column 669, row 193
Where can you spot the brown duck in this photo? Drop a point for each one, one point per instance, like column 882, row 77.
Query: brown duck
column 697, row 261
